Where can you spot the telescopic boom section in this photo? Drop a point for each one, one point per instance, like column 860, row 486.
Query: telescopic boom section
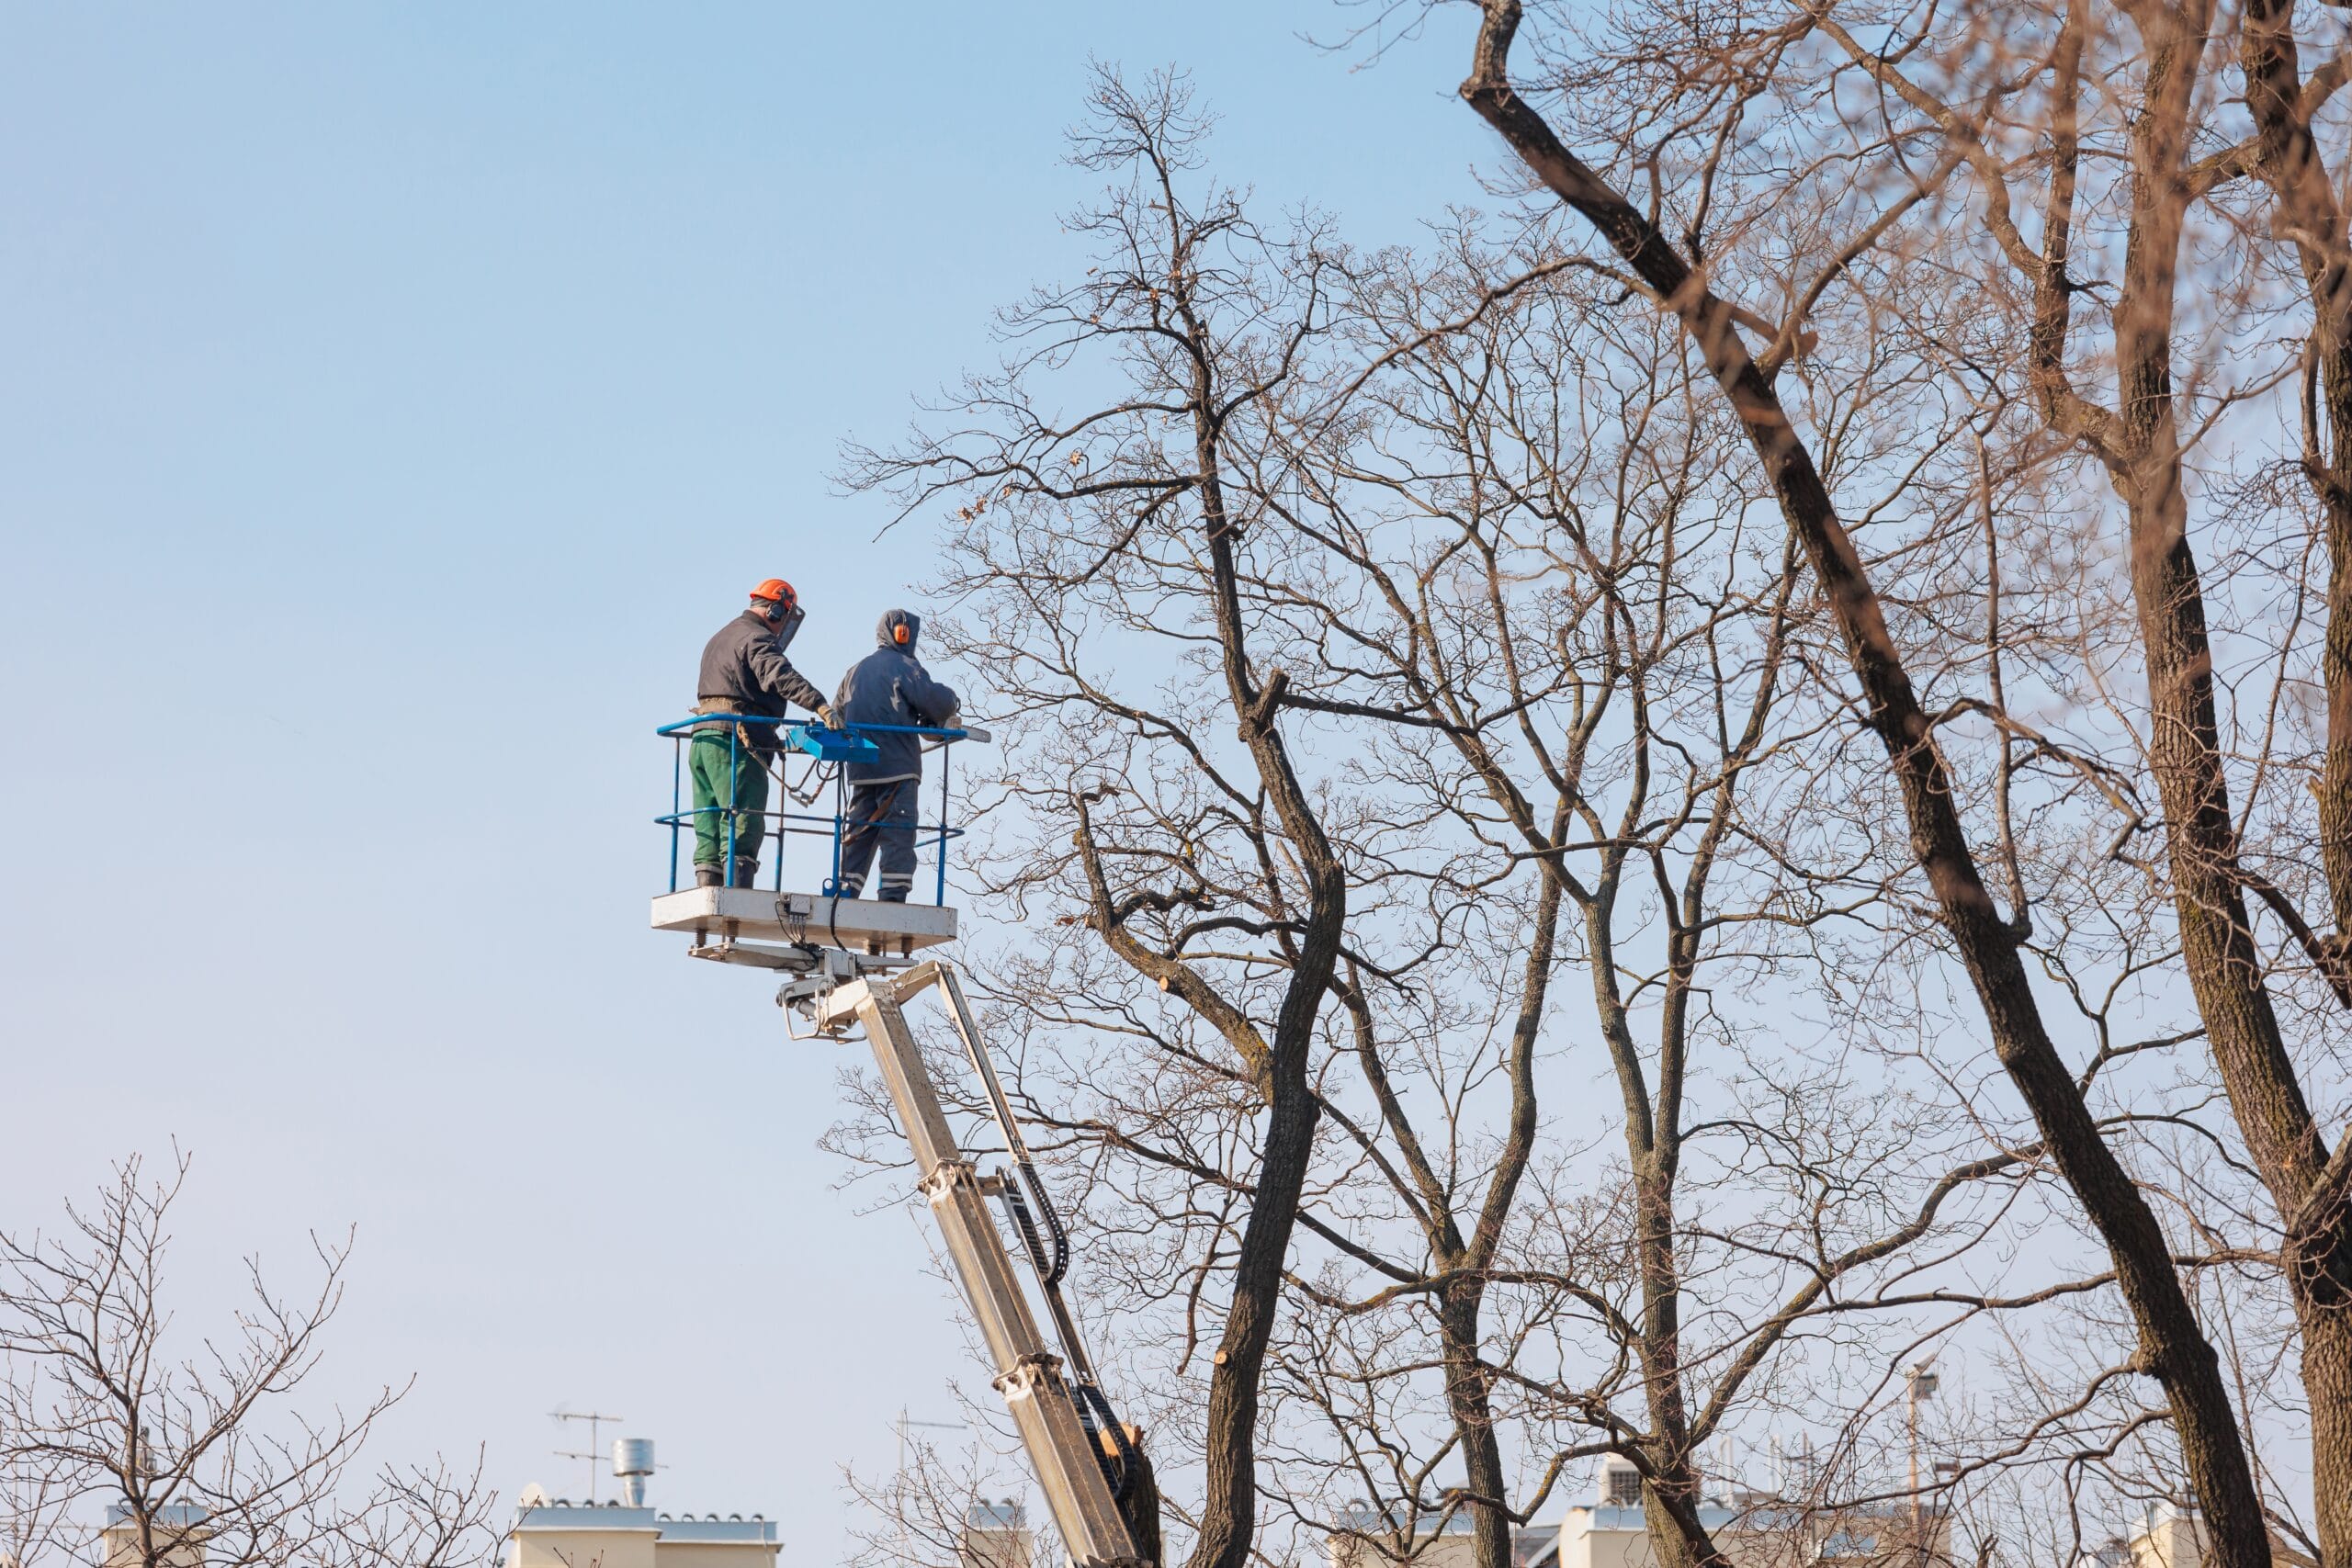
column 1063, row 1420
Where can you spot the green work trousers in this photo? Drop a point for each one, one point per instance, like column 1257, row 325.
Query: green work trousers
column 721, row 793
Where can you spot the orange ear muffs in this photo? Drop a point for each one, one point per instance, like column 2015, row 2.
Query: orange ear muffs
column 899, row 636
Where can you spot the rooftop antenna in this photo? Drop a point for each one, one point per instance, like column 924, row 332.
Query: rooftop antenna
column 594, row 1420
column 902, row 1423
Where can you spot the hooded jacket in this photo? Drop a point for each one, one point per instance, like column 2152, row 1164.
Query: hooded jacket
column 891, row 687
column 744, row 671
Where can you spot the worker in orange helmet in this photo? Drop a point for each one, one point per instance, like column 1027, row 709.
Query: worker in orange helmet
column 744, row 672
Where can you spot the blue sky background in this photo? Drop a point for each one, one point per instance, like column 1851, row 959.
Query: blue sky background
column 392, row 398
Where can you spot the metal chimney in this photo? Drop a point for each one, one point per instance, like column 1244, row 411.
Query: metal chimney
column 632, row 1463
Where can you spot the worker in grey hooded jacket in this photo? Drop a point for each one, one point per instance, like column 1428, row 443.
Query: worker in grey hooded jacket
column 888, row 686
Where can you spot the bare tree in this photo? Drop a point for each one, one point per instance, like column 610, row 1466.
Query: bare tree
column 1479, row 535
column 1988, row 942
column 1557, row 615
column 2137, row 149
column 1549, row 690
column 1205, row 350
column 1852, row 164
column 195, row 1446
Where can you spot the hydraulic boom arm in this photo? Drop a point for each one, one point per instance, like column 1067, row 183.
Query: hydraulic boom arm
column 1080, row 1452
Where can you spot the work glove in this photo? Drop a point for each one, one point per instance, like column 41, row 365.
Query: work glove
column 826, row 718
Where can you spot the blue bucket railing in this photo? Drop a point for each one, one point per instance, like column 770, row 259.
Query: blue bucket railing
column 823, row 747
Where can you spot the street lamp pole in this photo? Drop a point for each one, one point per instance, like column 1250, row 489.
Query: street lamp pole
column 1919, row 1384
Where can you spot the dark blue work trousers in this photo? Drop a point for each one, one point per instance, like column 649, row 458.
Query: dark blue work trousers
column 880, row 817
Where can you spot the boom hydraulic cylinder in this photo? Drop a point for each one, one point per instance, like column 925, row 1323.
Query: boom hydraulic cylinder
column 1063, row 1423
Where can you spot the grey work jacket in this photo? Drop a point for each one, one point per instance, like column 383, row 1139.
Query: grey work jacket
column 744, row 671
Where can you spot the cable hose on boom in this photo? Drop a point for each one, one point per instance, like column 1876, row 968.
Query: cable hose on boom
column 1015, row 1149
column 1094, row 1412
column 1052, row 1276
column 1118, row 1476
column 1090, row 1424
column 1121, row 1463
column 1018, row 1208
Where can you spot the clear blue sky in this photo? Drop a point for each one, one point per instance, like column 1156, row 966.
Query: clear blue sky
column 392, row 398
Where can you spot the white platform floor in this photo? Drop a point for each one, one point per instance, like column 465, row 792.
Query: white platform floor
column 855, row 925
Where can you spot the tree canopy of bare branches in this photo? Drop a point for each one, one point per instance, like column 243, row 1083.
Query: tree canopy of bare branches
column 1628, row 818
column 128, row 1440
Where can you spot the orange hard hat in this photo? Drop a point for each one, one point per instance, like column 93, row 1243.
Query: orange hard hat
column 778, row 589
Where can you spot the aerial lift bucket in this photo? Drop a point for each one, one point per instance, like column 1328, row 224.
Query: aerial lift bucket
column 851, row 963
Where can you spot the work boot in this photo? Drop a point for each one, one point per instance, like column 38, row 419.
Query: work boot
column 709, row 875
column 746, row 874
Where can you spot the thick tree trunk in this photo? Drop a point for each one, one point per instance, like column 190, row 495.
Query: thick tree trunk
column 2225, row 975
column 2332, row 481
column 1229, row 1506
column 1467, row 1403
column 1229, row 1503
column 1677, row 1535
column 2330, row 472
column 1671, row 1491
column 1669, row 1532
column 2225, row 967
column 2217, row 945
column 2172, row 1344
column 2308, row 213
column 2326, row 1371
column 2216, row 933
